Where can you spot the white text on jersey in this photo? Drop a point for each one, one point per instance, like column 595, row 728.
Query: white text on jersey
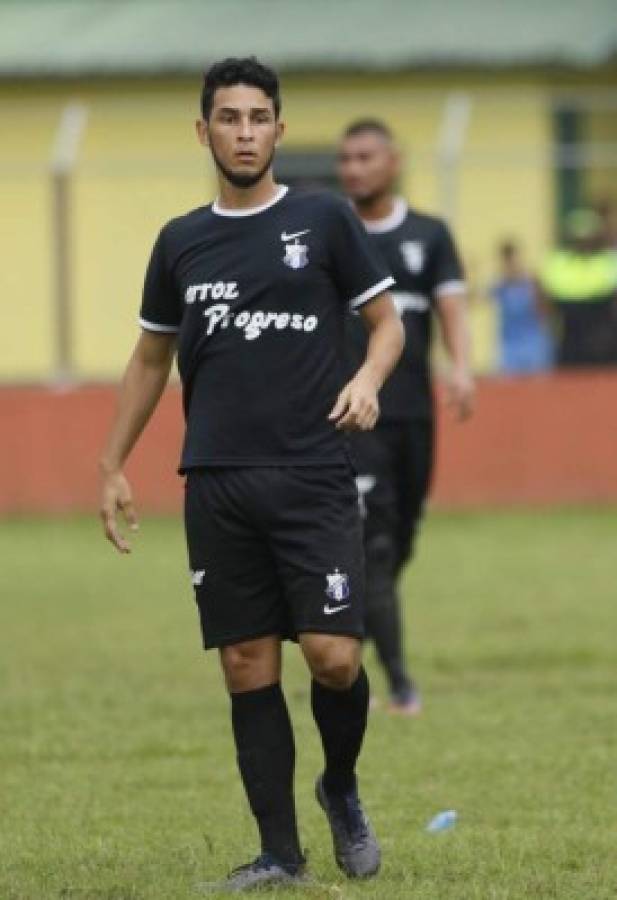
column 253, row 323
column 212, row 290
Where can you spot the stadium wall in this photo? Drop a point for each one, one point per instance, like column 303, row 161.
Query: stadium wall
column 139, row 164
column 534, row 442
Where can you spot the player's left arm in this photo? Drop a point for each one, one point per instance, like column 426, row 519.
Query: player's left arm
column 357, row 405
column 451, row 307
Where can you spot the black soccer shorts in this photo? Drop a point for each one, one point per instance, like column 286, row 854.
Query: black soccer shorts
column 275, row 551
column 395, row 465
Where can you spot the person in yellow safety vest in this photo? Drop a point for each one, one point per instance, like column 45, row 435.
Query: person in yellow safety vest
column 579, row 282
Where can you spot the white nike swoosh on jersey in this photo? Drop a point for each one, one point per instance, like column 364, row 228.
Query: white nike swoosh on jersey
column 296, row 234
column 330, row 610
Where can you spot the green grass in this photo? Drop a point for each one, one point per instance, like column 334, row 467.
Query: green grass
column 117, row 773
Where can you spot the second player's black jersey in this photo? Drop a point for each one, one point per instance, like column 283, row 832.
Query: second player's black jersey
column 419, row 252
column 259, row 299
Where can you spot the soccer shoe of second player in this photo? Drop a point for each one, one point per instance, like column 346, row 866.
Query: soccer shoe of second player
column 405, row 702
column 264, row 872
column 356, row 849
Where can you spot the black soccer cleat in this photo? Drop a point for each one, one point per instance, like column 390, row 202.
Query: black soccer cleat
column 263, row 872
column 356, row 849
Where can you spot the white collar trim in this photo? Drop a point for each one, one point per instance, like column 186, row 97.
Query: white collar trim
column 251, row 210
column 389, row 222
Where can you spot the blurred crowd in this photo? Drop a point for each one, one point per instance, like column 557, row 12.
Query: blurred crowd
column 566, row 313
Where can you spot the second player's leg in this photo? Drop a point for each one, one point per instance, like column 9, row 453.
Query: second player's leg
column 413, row 452
column 376, row 462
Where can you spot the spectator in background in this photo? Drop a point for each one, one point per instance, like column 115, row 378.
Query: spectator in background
column 579, row 281
column 525, row 343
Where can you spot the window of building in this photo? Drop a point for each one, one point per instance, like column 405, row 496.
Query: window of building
column 307, row 167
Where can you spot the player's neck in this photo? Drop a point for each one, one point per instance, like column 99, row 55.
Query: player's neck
column 377, row 208
column 232, row 197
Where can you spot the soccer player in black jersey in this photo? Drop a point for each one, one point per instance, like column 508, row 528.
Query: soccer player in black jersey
column 395, row 461
column 252, row 293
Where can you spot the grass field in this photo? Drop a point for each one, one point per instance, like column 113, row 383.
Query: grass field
column 117, row 774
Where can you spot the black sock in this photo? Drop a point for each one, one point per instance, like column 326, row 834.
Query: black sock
column 383, row 625
column 341, row 719
column 266, row 759
column 382, row 616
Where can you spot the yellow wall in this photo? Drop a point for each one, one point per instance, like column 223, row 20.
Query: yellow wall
column 139, row 165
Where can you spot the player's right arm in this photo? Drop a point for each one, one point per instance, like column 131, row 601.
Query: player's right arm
column 450, row 295
column 142, row 385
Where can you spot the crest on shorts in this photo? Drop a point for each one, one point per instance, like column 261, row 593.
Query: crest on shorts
column 413, row 254
column 296, row 255
column 337, row 586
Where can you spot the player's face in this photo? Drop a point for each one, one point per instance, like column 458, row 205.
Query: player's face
column 242, row 132
column 367, row 166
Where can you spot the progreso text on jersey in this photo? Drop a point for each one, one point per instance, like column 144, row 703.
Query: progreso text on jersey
column 252, row 323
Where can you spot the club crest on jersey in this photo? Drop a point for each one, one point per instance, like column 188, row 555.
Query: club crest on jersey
column 296, row 254
column 337, row 586
column 413, row 254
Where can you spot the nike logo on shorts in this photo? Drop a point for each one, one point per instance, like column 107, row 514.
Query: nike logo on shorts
column 296, row 234
column 331, row 610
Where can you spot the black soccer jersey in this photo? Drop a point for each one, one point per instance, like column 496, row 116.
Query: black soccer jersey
column 419, row 252
column 259, row 299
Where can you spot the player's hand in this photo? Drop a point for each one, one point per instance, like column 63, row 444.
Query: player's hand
column 116, row 496
column 356, row 407
column 461, row 393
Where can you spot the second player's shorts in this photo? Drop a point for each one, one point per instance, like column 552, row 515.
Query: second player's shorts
column 275, row 551
column 395, row 464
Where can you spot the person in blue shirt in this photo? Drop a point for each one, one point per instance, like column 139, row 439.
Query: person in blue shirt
column 525, row 343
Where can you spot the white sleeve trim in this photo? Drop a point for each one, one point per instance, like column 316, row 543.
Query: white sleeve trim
column 367, row 295
column 456, row 286
column 154, row 326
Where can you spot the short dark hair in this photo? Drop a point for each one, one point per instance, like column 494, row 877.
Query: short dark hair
column 370, row 126
column 239, row 70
